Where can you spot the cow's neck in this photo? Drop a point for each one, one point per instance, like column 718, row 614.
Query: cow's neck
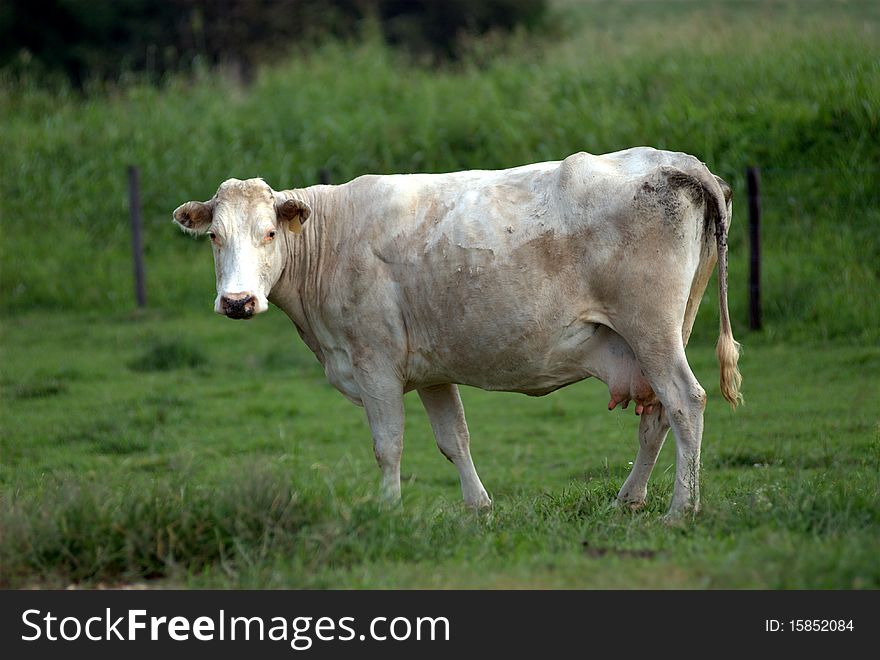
column 298, row 291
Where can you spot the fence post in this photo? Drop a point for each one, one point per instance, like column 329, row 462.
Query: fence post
column 137, row 244
column 324, row 176
column 753, row 183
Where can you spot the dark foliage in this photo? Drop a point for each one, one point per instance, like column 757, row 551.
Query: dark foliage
column 103, row 38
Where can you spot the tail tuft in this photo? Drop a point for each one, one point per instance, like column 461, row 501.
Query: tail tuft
column 727, row 352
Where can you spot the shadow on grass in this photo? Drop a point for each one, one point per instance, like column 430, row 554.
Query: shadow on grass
column 168, row 354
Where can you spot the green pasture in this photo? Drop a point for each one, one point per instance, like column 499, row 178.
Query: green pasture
column 190, row 449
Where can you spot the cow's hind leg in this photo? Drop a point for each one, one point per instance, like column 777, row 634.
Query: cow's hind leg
column 664, row 364
column 443, row 405
column 653, row 428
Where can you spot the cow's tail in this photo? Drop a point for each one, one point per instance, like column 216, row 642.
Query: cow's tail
column 727, row 348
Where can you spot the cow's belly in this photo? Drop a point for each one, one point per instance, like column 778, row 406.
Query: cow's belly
column 535, row 364
column 537, row 356
column 541, row 361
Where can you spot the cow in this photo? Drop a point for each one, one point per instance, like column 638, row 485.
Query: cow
column 521, row 280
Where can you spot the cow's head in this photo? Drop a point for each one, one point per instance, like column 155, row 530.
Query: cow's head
column 246, row 221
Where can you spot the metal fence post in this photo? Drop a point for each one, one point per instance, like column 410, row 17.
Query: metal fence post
column 753, row 183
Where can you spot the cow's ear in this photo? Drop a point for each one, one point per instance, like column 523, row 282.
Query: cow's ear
column 294, row 211
column 194, row 217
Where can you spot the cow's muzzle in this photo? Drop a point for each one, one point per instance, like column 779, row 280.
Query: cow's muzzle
column 238, row 305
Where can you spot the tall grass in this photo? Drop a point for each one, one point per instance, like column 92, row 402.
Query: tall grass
column 734, row 83
column 262, row 529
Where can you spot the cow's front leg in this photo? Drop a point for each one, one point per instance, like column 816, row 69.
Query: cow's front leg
column 653, row 428
column 443, row 405
column 384, row 407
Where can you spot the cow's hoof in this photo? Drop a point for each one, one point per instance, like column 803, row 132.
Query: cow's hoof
column 482, row 503
column 390, row 502
column 631, row 505
column 678, row 517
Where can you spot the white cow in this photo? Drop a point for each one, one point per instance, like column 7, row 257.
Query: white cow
column 522, row 280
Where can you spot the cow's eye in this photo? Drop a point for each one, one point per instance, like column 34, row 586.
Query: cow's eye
column 271, row 234
column 212, row 236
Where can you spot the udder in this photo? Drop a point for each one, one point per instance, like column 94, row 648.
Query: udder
column 612, row 361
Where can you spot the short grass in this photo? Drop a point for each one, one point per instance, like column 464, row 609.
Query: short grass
column 126, row 460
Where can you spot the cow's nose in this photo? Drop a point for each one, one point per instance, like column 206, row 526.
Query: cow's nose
column 238, row 305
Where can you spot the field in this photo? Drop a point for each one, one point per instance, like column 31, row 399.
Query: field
column 224, row 459
column 171, row 447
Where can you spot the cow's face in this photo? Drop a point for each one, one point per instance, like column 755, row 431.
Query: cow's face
column 246, row 222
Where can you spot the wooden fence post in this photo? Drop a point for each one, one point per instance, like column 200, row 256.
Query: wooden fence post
column 137, row 243
column 753, row 183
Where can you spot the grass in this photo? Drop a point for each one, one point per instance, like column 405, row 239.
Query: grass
column 176, row 448
column 248, row 470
